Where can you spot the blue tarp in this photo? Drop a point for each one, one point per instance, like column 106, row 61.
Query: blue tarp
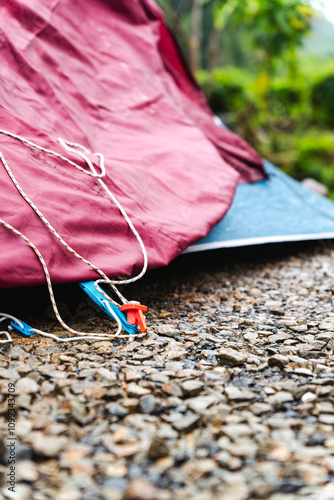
column 278, row 209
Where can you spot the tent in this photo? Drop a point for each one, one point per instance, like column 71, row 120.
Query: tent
column 108, row 76
column 111, row 159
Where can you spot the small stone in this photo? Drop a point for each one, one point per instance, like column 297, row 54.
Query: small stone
column 106, row 375
column 278, row 360
column 309, row 397
column 147, row 404
column 116, row 410
column 326, row 419
column 9, row 374
column 298, row 361
column 46, row 388
column 131, row 404
column 235, row 431
column 298, row 328
column 201, row 403
column 303, row 371
column 253, row 360
column 244, row 448
column 166, row 432
column 192, row 387
column 235, row 492
column 186, row 423
column 251, row 337
column 278, row 311
column 173, row 389
column 175, row 353
column 232, row 357
column 94, row 391
column 280, row 397
column 26, row 385
column 279, row 337
column 198, row 469
column 139, row 489
column 133, row 376
column 113, row 487
column 315, row 186
column 157, row 448
column 167, row 331
column 329, row 443
column 236, row 394
column 260, row 408
column 312, row 475
column 47, row 446
column 136, row 391
column 23, row 401
column 327, row 324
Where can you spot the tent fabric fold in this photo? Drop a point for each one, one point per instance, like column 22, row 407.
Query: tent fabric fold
column 107, row 75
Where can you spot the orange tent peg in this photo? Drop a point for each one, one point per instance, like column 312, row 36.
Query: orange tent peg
column 135, row 314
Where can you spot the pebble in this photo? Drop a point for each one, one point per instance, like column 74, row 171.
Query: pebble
column 280, row 397
column 157, row 448
column 191, row 388
column 236, row 394
column 201, row 403
column 26, row 385
column 186, row 423
column 147, row 404
column 139, row 489
column 232, row 357
column 135, row 390
column 278, row 360
column 47, row 446
column 116, row 410
column 326, row 418
column 308, row 397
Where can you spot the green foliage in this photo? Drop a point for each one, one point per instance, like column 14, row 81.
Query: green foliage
column 257, row 33
column 276, row 116
column 226, row 88
column 277, row 26
column 262, row 79
column 314, row 157
column 323, row 100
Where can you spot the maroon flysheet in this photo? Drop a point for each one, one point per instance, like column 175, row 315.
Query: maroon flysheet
column 108, row 75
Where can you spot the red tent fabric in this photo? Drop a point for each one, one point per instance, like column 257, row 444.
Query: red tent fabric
column 107, row 75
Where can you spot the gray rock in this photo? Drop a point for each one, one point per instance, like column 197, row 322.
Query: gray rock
column 191, row 388
column 232, row 357
column 201, row 403
column 279, row 337
column 157, row 448
column 186, row 423
column 236, row 394
column 148, row 404
column 136, row 391
column 26, row 385
column 278, row 360
column 139, row 489
column 47, row 446
column 326, row 418
column 116, row 410
column 280, row 397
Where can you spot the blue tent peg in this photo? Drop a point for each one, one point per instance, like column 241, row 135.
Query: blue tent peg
column 25, row 329
column 97, row 297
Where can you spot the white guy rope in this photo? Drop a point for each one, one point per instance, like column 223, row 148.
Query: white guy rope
column 80, row 151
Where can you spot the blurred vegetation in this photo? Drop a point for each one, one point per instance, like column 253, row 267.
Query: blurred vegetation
column 267, row 68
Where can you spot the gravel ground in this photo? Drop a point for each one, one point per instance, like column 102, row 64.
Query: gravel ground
column 230, row 396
